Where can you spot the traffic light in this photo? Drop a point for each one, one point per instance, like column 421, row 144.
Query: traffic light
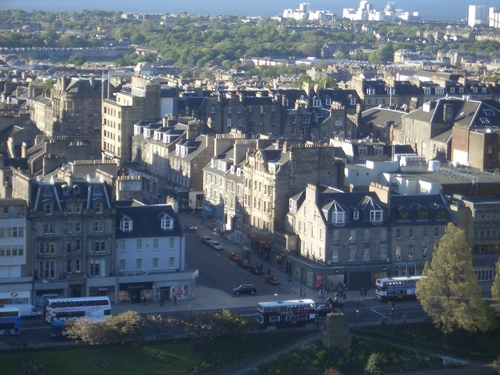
column 366, row 291
column 361, row 291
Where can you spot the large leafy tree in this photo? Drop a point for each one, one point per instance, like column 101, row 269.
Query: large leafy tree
column 450, row 294
column 495, row 288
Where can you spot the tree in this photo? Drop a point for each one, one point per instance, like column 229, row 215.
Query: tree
column 89, row 332
column 129, row 326
column 373, row 365
column 450, row 293
column 495, row 288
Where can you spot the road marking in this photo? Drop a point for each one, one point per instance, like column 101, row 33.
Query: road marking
column 382, row 315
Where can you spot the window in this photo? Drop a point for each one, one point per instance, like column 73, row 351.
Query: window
column 171, row 243
column 355, row 215
column 399, row 233
column 338, row 217
column 171, row 262
column 98, row 246
column 155, row 243
column 48, row 228
column 97, row 267
column 424, row 252
column 366, row 254
column 98, row 207
column 336, row 237
column 367, row 235
column 78, row 227
column 166, row 222
column 382, row 253
column 47, row 208
column 411, row 232
column 410, row 252
column 426, row 232
column 122, row 245
column 138, row 264
column 121, row 265
column 126, row 225
column 436, row 231
column 139, row 245
column 155, row 263
column 376, row 216
column 47, row 248
column 352, row 254
column 398, row 252
column 98, row 226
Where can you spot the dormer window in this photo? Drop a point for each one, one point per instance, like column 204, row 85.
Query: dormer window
column 439, row 90
column 238, row 172
column 452, row 90
column 427, row 90
column 98, row 207
column 370, row 91
column 352, row 100
column 355, row 215
column 316, row 102
column 48, row 208
column 461, row 90
column 403, row 213
column 46, row 192
column 328, row 100
column 338, row 217
column 167, row 223
column 376, row 216
column 126, row 225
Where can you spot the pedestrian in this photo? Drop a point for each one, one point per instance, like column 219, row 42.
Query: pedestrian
column 161, row 302
column 144, row 301
column 175, row 300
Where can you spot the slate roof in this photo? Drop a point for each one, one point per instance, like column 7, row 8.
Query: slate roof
column 382, row 116
column 412, row 203
column 146, row 221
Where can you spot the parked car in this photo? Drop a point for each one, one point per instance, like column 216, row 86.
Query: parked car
column 215, row 245
column 190, row 227
column 245, row 289
column 234, row 256
column 255, row 269
column 322, row 309
column 271, row 279
column 206, row 240
column 243, row 263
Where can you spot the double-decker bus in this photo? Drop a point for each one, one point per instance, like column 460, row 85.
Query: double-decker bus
column 70, row 309
column 286, row 313
column 397, row 288
column 10, row 321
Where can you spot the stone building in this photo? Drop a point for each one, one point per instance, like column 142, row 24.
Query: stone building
column 73, row 109
column 354, row 238
column 72, row 236
column 170, row 158
column 272, row 175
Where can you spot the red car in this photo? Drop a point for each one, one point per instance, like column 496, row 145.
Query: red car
column 271, row 279
column 234, row 256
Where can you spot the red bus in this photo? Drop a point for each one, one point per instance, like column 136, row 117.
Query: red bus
column 397, row 288
column 286, row 313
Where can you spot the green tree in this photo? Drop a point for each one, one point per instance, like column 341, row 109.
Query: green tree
column 495, row 287
column 128, row 326
column 450, row 293
column 373, row 365
column 89, row 332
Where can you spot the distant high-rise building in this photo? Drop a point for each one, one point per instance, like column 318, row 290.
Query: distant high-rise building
column 478, row 15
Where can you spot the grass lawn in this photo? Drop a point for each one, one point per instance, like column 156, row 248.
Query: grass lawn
column 165, row 358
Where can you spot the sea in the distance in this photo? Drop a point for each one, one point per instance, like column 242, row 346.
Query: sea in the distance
column 431, row 10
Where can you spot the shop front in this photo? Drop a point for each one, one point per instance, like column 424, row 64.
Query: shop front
column 135, row 292
column 15, row 297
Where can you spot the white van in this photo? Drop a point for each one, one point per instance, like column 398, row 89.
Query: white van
column 28, row 311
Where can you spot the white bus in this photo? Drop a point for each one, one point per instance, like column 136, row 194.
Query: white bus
column 71, row 309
